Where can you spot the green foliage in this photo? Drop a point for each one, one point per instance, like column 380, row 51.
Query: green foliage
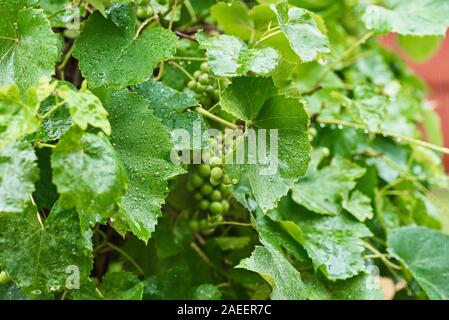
column 89, row 170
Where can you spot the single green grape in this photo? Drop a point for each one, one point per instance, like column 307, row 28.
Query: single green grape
column 216, row 173
column 216, row 208
column 204, row 170
column 197, row 74
column 210, row 89
column 204, row 224
column 216, row 195
column 226, row 205
column 214, row 182
column 224, row 190
column 205, row 156
column 192, row 85
column 205, row 67
column 204, row 204
column 206, row 189
column 200, row 88
column 215, row 162
column 142, row 13
column 204, row 79
column 194, row 226
column 196, row 180
column 198, row 196
column 4, row 278
column 227, row 179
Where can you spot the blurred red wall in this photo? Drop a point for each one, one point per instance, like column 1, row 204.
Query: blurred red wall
column 436, row 73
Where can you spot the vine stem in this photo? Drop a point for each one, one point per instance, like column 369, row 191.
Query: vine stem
column 127, row 256
column 8, row 38
column 207, row 261
column 55, row 107
column 267, row 37
column 45, row 145
column 235, row 223
column 386, row 134
column 190, row 9
column 345, row 54
column 213, row 117
column 172, row 17
column 64, row 62
column 380, row 255
column 182, row 69
column 143, row 25
column 188, row 58
column 56, row 13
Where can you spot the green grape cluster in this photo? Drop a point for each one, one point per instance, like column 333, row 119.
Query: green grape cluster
column 144, row 10
column 204, row 85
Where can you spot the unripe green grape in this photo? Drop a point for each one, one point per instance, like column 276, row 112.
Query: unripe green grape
column 214, row 182
column 205, row 67
column 216, row 208
column 217, row 93
column 4, row 278
column 215, row 162
column 216, row 173
column 206, row 189
column 200, row 87
column 142, row 2
column 189, row 186
column 210, row 89
column 235, row 181
column 197, row 74
column 142, row 13
column 212, row 142
column 226, row 205
column 216, row 195
column 204, row 79
column 227, row 179
column 224, row 190
column 326, row 152
column 198, row 196
column 205, row 100
column 194, row 226
column 196, row 180
column 192, row 85
column 219, row 219
column 204, row 204
column 204, row 224
column 204, row 170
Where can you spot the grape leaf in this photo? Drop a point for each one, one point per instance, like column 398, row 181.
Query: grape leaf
column 57, row 123
column 18, row 117
column 332, row 242
column 85, row 108
column 39, row 256
column 171, row 107
column 114, row 286
column 234, row 18
column 88, row 173
column 302, row 31
column 285, row 163
column 275, row 268
column 28, row 47
column 230, row 57
column 369, row 106
column 359, row 205
column 207, row 291
column 145, row 151
column 424, row 253
column 419, row 17
column 111, row 54
column 18, row 172
column 333, row 181
column 244, row 97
